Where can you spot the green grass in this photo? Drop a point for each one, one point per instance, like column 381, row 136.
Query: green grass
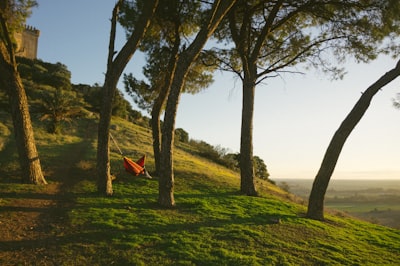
column 212, row 224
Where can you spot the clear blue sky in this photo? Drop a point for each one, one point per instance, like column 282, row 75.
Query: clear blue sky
column 295, row 115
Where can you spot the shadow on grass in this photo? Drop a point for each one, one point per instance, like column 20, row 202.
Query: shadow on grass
column 41, row 212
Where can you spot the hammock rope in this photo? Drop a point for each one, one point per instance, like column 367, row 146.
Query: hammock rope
column 135, row 168
column 116, row 145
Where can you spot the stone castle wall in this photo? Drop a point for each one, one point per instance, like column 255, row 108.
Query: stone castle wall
column 27, row 42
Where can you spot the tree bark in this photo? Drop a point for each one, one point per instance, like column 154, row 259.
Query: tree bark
column 23, row 131
column 166, row 180
column 246, row 140
column 115, row 66
column 321, row 181
column 156, row 126
column 161, row 100
column 156, row 131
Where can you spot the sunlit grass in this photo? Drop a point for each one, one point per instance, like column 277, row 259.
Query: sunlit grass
column 210, row 226
column 212, row 223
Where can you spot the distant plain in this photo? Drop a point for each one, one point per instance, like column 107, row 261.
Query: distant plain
column 377, row 201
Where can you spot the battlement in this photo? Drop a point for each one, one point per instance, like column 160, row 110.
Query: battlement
column 27, row 42
column 32, row 30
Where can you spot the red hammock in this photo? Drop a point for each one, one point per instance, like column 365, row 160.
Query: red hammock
column 135, row 168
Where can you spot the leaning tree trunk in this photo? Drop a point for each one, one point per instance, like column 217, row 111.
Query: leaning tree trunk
column 23, row 131
column 320, row 185
column 115, row 66
column 246, row 140
column 166, row 180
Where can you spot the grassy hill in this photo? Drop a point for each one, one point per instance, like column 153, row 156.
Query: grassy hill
column 212, row 223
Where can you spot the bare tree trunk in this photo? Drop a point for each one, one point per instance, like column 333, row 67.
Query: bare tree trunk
column 23, row 131
column 246, row 140
column 104, row 181
column 166, row 180
column 321, row 182
column 115, row 66
column 156, row 131
column 161, row 100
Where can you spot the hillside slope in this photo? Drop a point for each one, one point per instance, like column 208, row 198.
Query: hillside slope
column 212, row 223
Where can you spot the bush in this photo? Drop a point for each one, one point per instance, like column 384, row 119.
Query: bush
column 181, row 135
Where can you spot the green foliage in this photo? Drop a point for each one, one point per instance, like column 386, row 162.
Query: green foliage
column 181, row 135
column 221, row 156
column 47, row 74
column 57, row 107
column 260, row 169
column 16, row 14
column 120, row 106
column 309, row 34
column 172, row 25
column 208, row 151
column 51, row 94
column 92, row 95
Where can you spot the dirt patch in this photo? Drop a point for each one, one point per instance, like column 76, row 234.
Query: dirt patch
column 32, row 223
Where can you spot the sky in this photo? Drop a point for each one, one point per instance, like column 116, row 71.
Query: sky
column 295, row 116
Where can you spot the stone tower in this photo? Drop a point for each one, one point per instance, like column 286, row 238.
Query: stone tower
column 27, row 42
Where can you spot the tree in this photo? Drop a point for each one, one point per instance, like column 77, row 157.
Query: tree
column 116, row 63
column 186, row 57
column 57, row 107
column 272, row 37
column 181, row 135
column 35, row 71
column 316, row 201
column 260, row 169
column 12, row 16
column 174, row 22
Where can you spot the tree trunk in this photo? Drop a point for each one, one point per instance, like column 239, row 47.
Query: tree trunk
column 23, row 131
column 246, row 141
column 161, row 99
column 115, row 66
column 156, row 132
column 104, row 181
column 166, row 180
column 321, row 182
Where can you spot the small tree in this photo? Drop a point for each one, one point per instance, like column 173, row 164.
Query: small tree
column 260, row 169
column 58, row 107
column 182, row 135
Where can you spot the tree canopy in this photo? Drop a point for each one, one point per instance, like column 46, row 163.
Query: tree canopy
column 262, row 39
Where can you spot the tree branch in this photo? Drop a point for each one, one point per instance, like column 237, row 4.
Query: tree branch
column 266, row 30
column 7, row 37
column 111, row 44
